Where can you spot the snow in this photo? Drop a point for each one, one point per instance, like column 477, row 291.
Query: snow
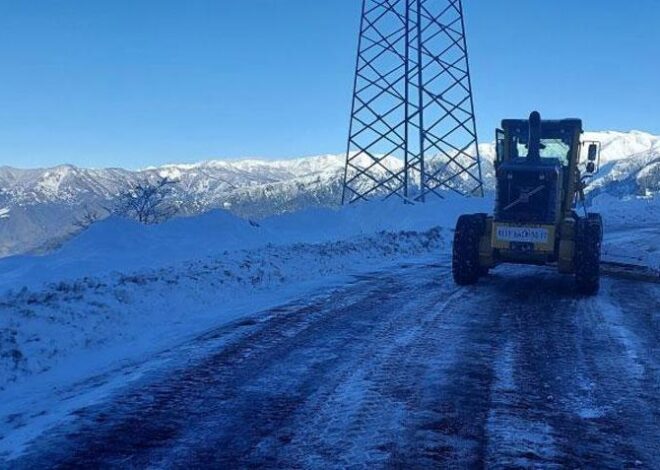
column 632, row 229
column 122, row 245
column 119, row 279
column 620, row 145
column 46, row 203
column 112, row 264
column 121, row 292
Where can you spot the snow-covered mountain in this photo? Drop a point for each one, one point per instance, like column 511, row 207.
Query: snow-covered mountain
column 41, row 207
column 630, row 164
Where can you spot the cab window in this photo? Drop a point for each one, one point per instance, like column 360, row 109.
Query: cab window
column 550, row 148
column 555, row 144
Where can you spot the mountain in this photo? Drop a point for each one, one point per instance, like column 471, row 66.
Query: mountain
column 41, row 207
column 630, row 164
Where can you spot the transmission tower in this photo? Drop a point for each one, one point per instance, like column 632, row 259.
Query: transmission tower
column 412, row 130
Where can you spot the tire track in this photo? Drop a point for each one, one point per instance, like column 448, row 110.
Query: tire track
column 569, row 392
column 399, row 369
column 219, row 394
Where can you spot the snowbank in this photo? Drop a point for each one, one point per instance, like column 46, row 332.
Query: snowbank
column 632, row 229
column 628, row 213
column 147, row 310
column 58, row 339
column 119, row 245
column 121, row 290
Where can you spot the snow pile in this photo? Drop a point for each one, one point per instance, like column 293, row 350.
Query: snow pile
column 123, row 245
column 121, row 289
column 146, row 310
column 628, row 213
column 632, row 229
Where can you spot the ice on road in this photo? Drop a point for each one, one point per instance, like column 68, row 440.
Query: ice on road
column 399, row 368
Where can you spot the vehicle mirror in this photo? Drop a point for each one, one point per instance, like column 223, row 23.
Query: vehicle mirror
column 593, row 152
column 591, row 167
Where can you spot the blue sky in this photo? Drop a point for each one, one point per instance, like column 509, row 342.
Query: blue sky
column 136, row 83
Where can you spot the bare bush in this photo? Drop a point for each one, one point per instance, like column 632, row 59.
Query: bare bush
column 89, row 217
column 148, row 202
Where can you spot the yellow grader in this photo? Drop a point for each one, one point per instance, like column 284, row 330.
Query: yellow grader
column 540, row 184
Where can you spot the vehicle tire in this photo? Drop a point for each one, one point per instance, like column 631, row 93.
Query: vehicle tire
column 465, row 254
column 595, row 218
column 588, row 241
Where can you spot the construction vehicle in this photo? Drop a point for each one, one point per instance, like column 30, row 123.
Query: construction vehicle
column 540, row 215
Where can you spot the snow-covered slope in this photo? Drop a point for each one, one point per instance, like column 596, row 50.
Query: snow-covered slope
column 630, row 164
column 46, row 203
column 121, row 245
column 121, row 286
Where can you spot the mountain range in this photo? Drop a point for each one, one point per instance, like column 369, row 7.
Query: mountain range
column 39, row 208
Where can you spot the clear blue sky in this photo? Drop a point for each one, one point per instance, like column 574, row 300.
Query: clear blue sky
column 142, row 82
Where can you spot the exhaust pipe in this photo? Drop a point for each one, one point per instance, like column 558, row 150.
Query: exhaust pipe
column 534, row 141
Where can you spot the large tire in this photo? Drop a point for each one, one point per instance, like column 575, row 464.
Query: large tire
column 465, row 255
column 587, row 254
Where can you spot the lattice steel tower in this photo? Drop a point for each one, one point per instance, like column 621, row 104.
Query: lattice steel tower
column 412, row 130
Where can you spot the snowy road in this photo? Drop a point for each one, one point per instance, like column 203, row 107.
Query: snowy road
column 398, row 369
